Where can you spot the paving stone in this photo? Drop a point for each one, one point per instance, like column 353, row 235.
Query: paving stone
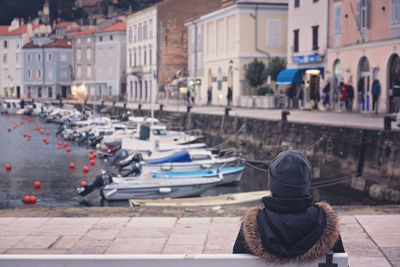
column 7, row 220
column 162, row 232
column 101, row 234
column 37, row 251
column 114, row 220
column 59, row 229
column 393, row 254
column 395, row 263
column 183, row 249
column 136, row 246
column 358, row 261
column 18, row 229
column 30, row 220
column 347, row 219
column 220, row 242
column 387, row 239
column 80, row 221
column 87, row 243
column 36, row 242
column 190, row 229
column 194, row 220
column 186, row 239
column 360, row 245
column 87, row 250
column 152, row 222
column 229, row 220
column 7, row 242
column 65, row 242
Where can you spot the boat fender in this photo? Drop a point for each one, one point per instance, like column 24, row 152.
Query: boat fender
column 112, row 192
column 220, row 175
column 166, row 168
column 205, row 166
column 165, row 190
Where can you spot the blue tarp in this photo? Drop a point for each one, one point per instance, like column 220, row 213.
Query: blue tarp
column 182, row 156
column 290, row 76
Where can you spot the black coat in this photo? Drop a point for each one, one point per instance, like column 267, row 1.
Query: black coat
column 289, row 230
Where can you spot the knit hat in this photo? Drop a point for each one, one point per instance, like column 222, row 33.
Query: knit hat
column 289, row 174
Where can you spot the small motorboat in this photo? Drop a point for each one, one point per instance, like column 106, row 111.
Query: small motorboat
column 147, row 186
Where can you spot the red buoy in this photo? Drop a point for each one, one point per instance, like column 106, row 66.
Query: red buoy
column 91, row 151
column 59, row 137
column 85, row 169
column 90, row 157
column 36, row 184
column 32, row 199
column 92, row 162
column 58, row 147
column 27, row 199
column 66, row 144
column 83, row 183
column 8, row 167
column 59, row 143
column 21, row 122
column 101, row 171
column 68, row 149
column 72, row 165
column 25, row 135
column 35, row 129
column 94, row 155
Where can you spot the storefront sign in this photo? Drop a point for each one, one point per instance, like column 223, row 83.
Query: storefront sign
column 307, row 59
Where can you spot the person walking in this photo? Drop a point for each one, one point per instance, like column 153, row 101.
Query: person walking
column 209, row 95
column 229, row 95
column 188, row 98
column 300, row 96
column 289, row 228
column 343, row 96
column 325, row 95
column 350, row 97
column 376, row 91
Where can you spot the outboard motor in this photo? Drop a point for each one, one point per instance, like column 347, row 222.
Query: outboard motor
column 135, row 170
column 117, row 158
column 60, row 129
column 101, row 180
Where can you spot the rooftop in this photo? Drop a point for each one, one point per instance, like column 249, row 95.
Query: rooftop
column 59, row 43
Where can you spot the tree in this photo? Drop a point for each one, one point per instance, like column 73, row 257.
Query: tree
column 256, row 73
column 275, row 66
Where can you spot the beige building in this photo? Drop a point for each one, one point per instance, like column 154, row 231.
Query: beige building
column 235, row 35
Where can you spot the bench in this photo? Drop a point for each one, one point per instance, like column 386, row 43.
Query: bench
column 160, row 260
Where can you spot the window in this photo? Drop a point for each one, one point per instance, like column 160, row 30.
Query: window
column 79, row 72
column 296, row 3
column 151, row 29
column 315, row 1
column 17, row 58
column 131, row 89
column 5, row 44
column 221, row 36
column 111, row 37
column 39, row 57
column 140, row 32
column 79, row 40
column 89, row 71
column 338, row 18
column 315, row 37
column 29, row 73
column 63, row 56
column 231, row 34
column 130, row 58
column 18, row 43
column 49, row 56
column 28, row 57
column 39, row 73
column 211, row 38
column 136, row 89
column 362, row 14
column 5, row 74
column 134, row 58
column 145, row 31
column 64, row 74
column 296, row 40
column 395, row 11
column 50, row 92
column 88, row 53
column 17, row 74
column 39, row 92
column 130, row 34
column 89, row 40
column 150, row 56
column 78, row 54
column 101, row 39
column 274, row 38
column 144, row 56
column 134, row 33
column 4, row 58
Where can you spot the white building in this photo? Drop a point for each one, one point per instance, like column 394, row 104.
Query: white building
column 12, row 39
column 110, row 63
column 141, row 59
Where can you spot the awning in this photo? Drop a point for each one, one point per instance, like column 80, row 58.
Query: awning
column 290, row 76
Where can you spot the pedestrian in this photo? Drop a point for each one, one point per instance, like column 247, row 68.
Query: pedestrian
column 22, row 103
column 376, row 91
column 343, row 96
column 188, row 96
column 350, row 97
column 300, row 96
column 360, row 89
column 193, row 95
column 229, row 95
column 325, row 95
column 209, row 96
column 289, row 228
column 317, row 98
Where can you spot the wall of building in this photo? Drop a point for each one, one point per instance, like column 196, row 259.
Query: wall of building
column 11, row 70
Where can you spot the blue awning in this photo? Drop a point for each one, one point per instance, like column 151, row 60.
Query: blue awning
column 290, row 76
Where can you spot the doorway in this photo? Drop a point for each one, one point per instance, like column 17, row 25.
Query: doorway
column 363, row 85
column 18, row 92
column 394, row 83
column 64, row 92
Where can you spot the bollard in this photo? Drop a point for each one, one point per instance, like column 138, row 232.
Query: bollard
column 387, row 123
column 285, row 113
column 188, row 108
column 161, row 107
column 140, row 107
column 227, row 109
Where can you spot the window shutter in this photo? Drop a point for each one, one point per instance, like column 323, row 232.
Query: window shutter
column 358, row 14
column 368, row 13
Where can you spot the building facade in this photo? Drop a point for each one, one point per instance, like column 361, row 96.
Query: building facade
column 233, row 36
column 364, row 45
column 141, row 58
column 308, row 43
column 47, row 68
column 110, row 62
column 12, row 39
column 83, row 51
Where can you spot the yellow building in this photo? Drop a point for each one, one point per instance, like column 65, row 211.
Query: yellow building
column 232, row 37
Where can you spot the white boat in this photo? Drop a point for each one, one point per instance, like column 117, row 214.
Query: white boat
column 10, row 105
column 59, row 115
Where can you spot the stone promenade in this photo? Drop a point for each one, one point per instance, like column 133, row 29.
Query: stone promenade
column 370, row 240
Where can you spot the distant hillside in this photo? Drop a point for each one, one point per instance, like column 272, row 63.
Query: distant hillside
column 64, row 9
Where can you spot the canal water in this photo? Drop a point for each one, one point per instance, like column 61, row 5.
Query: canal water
column 35, row 161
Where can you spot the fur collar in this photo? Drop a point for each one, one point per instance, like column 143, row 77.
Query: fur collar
column 323, row 245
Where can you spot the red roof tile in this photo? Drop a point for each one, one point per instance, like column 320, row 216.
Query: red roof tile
column 3, row 30
column 85, row 32
column 60, row 43
column 21, row 30
column 120, row 26
column 63, row 24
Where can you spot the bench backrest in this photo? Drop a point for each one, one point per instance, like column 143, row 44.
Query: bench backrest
column 157, row 260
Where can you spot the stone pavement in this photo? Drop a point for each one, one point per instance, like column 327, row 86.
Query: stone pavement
column 345, row 119
column 370, row 240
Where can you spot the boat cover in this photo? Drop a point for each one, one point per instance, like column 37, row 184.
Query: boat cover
column 182, row 156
